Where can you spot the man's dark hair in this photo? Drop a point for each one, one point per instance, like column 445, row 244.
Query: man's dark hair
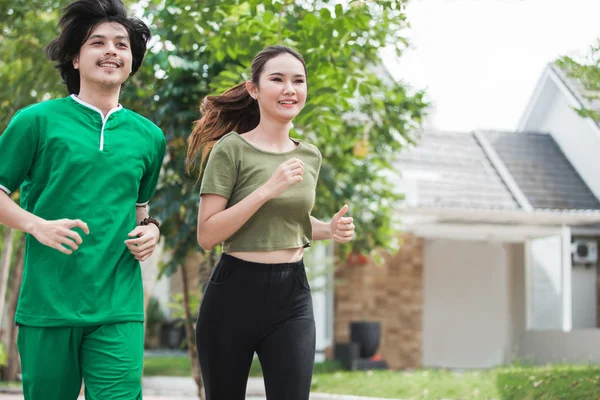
column 78, row 21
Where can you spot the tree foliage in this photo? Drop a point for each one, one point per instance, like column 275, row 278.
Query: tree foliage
column 205, row 48
column 586, row 71
column 356, row 114
column 26, row 75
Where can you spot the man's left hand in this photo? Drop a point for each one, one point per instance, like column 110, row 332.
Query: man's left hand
column 145, row 239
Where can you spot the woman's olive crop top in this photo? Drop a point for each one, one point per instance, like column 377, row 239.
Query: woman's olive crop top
column 236, row 168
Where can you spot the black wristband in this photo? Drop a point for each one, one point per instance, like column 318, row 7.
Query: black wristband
column 150, row 220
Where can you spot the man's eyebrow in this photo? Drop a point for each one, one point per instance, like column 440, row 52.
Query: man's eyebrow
column 97, row 36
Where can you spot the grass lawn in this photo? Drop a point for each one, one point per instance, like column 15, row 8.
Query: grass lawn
column 167, row 366
column 180, row 366
column 5, row 384
column 554, row 382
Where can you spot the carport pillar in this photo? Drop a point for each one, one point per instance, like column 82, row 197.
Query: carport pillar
column 548, row 272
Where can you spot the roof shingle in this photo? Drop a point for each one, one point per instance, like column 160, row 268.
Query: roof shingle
column 542, row 171
column 452, row 171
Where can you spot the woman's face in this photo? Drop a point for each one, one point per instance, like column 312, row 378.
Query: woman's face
column 282, row 88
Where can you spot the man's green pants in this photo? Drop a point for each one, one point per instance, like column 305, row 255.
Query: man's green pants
column 109, row 359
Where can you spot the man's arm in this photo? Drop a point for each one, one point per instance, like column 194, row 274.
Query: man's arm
column 56, row 234
column 14, row 216
column 141, row 212
column 144, row 238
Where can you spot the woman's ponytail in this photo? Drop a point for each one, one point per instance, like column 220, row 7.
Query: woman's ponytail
column 234, row 110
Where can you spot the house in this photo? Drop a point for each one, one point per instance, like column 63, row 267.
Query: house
column 499, row 255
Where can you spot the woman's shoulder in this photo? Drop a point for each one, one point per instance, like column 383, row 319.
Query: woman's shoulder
column 227, row 139
column 311, row 148
column 229, row 142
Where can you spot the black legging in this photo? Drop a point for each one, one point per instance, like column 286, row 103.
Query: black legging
column 264, row 308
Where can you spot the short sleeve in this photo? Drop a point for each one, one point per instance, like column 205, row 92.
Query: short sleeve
column 150, row 178
column 320, row 161
column 18, row 148
column 220, row 173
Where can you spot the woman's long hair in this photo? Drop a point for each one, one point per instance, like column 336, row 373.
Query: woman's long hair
column 234, row 110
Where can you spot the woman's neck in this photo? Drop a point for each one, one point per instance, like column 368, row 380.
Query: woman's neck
column 272, row 135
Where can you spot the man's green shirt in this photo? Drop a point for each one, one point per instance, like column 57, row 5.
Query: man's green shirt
column 71, row 162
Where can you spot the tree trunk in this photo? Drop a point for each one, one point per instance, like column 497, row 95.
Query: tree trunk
column 7, row 250
column 150, row 272
column 190, row 332
column 13, row 365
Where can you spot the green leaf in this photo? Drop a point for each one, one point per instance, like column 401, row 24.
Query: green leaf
column 325, row 14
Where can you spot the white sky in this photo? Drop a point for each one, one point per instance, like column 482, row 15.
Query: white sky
column 479, row 60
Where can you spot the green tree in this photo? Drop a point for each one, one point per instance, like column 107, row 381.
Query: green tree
column 586, row 70
column 26, row 75
column 205, row 48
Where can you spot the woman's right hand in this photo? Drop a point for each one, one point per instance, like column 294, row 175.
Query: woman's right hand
column 285, row 175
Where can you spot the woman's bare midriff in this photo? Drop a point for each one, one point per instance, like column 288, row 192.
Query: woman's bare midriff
column 270, row 257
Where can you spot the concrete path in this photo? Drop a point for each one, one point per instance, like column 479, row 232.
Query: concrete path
column 184, row 388
column 165, row 388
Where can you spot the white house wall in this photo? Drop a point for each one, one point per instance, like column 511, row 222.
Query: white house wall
column 319, row 266
column 576, row 136
column 584, row 297
column 545, row 283
column 466, row 307
column 575, row 347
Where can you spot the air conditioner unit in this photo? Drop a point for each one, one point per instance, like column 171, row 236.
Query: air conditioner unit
column 584, row 251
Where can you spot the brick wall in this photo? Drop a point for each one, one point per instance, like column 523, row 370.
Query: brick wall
column 391, row 293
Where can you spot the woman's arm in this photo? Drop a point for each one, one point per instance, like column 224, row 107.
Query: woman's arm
column 320, row 230
column 217, row 223
column 340, row 229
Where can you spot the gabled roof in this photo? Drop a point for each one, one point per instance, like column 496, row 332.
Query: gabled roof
column 542, row 171
column 555, row 78
column 452, row 171
column 494, row 171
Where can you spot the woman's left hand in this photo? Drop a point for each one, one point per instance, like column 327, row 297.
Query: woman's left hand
column 145, row 239
column 342, row 228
